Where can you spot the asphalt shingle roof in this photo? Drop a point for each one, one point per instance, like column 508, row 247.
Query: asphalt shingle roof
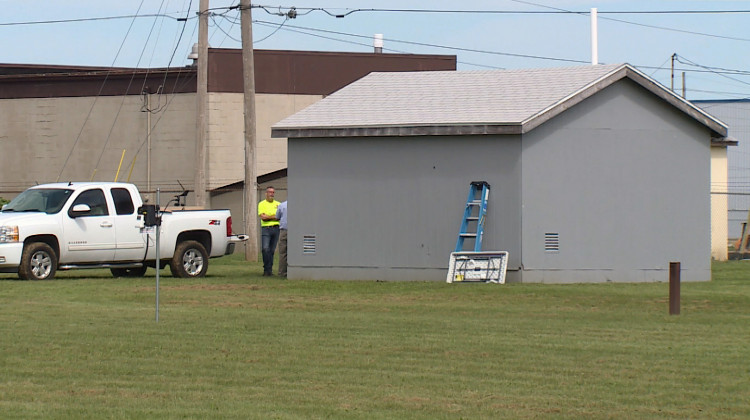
column 454, row 102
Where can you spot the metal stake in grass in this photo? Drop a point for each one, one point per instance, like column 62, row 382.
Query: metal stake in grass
column 158, row 262
column 674, row 288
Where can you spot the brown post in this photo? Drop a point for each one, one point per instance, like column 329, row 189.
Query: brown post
column 674, row 288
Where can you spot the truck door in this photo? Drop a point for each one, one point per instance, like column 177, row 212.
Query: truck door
column 89, row 237
column 131, row 245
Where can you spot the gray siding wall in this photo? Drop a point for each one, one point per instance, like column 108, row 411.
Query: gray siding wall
column 391, row 208
column 624, row 180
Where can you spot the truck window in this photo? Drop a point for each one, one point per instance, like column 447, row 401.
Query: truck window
column 95, row 200
column 123, row 201
column 48, row 200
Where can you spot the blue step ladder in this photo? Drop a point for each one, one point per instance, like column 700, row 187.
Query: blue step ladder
column 476, row 266
column 472, row 225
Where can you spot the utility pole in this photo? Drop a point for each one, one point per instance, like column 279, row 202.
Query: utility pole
column 202, row 105
column 672, row 74
column 251, row 179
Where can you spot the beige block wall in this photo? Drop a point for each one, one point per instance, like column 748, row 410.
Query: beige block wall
column 82, row 139
column 272, row 152
column 226, row 141
column 50, row 139
column 719, row 206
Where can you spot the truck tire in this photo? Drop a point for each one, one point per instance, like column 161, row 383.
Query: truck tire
column 190, row 260
column 128, row 272
column 38, row 262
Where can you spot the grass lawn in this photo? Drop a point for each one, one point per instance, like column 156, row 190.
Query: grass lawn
column 238, row 345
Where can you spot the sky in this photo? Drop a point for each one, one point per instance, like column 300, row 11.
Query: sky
column 711, row 48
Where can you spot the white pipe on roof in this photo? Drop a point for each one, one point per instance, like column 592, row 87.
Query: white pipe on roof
column 377, row 42
column 594, row 38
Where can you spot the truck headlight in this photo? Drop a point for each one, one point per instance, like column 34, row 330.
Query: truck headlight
column 8, row 233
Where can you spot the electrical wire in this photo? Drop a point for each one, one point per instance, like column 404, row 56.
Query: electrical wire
column 227, row 34
column 101, row 89
column 684, row 60
column 351, row 11
column 124, row 96
column 92, row 19
column 635, row 23
column 272, row 33
column 263, row 23
column 234, row 22
column 347, row 11
column 161, row 114
column 301, row 29
column 169, row 64
column 661, row 67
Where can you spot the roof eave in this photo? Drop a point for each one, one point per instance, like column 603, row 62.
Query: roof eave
column 724, row 141
column 397, row 131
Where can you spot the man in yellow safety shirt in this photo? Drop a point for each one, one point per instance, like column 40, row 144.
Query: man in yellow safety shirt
column 269, row 229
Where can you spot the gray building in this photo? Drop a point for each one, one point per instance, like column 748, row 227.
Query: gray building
column 602, row 162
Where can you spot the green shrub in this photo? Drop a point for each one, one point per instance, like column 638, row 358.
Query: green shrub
column 3, row 201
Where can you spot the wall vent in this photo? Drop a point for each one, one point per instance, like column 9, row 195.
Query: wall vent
column 309, row 244
column 551, row 242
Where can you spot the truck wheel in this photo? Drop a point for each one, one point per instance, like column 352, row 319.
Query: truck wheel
column 128, row 272
column 190, row 260
column 38, row 262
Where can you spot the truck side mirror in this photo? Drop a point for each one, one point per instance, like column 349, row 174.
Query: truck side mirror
column 79, row 210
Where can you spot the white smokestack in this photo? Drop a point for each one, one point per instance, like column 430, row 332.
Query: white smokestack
column 377, row 42
column 594, row 38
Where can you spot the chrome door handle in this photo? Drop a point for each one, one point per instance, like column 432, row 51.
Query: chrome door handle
column 106, row 224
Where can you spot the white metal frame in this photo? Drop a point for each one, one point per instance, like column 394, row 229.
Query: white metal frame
column 483, row 266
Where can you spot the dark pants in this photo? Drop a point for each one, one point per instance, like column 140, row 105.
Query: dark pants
column 282, row 253
column 269, row 239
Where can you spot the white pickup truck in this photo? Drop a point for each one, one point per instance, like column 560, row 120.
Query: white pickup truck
column 72, row 225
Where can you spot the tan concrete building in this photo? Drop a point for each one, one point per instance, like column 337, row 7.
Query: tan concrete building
column 60, row 123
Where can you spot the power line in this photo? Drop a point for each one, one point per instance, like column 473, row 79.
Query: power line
column 423, row 44
column 234, row 22
column 663, row 28
column 634, row 23
column 93, row 19
column 289, row 29
column 226, row 34
column 716, row 70
column 701, row 69
column 301, row 29
column 122, row 101
column 346, row 12
column 272, row 33
column 302, row 11
column 101, row 89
